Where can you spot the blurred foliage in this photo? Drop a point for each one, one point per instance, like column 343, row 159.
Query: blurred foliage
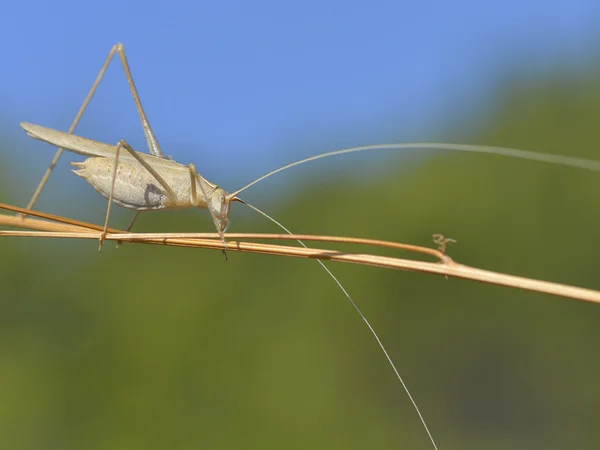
column 153, row 348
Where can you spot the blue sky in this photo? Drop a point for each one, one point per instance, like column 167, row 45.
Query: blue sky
column 243, row 87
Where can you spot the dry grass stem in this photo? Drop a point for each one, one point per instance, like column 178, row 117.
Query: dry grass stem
column 62, row 227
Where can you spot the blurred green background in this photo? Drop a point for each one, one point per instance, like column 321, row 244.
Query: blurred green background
column 152, row 348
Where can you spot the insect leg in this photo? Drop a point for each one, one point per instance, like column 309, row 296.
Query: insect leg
column 149, row 168
column 80, row 113
column 196, row 176
column 129, row 227
column 110, row 196
column 153, row 144
column 123, row 144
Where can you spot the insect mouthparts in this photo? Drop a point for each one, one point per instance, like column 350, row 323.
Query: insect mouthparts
column 218, row 205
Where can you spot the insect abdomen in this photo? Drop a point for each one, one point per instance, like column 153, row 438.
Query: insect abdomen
column 135, row 188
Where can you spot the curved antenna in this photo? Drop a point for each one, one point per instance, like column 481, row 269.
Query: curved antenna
column 571, row 161
column 360, row 313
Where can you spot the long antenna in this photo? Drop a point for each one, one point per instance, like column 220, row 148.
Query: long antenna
column 571, row 161
column 362, row 316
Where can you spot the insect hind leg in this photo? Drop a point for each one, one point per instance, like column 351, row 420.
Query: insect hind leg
column 153, row 144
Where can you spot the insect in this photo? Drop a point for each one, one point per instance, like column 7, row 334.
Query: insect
column 134, row 180
column 138, row 181
column 150, row 181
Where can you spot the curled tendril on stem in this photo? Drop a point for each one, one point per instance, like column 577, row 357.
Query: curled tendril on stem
column 442, row 242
